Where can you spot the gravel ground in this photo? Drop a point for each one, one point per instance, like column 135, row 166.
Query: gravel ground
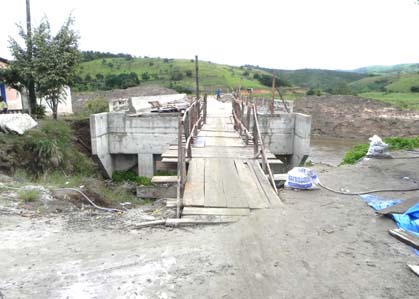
column 316, row 244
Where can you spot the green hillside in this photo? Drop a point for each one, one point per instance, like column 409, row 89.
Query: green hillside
column 317, row 78
column 387, row 83
column 178, row 74
column 390, row 69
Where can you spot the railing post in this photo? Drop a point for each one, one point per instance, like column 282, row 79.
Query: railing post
column 179, row 167
column 205, row 108
column 255, row 133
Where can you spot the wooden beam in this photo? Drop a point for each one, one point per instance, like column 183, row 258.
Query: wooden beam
column 405, row 237
column 216, row 211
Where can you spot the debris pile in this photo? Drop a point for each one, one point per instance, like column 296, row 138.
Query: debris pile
column 16, row 123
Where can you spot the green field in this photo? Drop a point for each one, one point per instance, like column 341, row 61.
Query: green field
column 398, row 99
column 175, row 73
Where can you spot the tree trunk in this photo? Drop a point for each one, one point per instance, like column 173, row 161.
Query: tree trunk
column 55, row 109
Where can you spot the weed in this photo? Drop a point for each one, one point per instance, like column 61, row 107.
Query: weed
column 130, row 176
column 356, row 153
column 29, row 195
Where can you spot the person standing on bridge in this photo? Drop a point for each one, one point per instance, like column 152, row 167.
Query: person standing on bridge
column 218, row 93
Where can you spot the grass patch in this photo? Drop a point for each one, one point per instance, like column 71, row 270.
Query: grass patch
column 395, row 143
column 402, row 100
column 357, row 152
column 29, row 195
column 130, row 176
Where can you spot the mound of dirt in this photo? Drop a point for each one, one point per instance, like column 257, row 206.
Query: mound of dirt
column 80, row 98
column 353, row 117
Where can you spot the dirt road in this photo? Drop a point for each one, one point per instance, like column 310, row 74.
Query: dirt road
column 316, row 245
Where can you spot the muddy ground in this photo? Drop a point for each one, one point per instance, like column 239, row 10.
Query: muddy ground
column 355, row 117
column 316, row 244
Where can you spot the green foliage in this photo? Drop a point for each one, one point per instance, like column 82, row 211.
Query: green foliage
column 145, row 76
column 29, row 195
column 54, row 61
column 395, row 143
column 93, row 55
column 401, row 100
column 130, row 176
column 311, row 92
column 356, row 153
column 316, row 78
column 414, row 89
column 402, row 143
column 392, row 69
column 51, row 147
column 97, row 105
column 267, row 81
column 39, row 111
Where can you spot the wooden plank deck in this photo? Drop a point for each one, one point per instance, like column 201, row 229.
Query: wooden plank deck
column 223, row 174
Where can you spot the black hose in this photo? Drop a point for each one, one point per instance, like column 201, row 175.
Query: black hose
column 367, row 192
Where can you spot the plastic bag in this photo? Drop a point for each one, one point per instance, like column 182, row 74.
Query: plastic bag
column 301, row 178
column 378, row 148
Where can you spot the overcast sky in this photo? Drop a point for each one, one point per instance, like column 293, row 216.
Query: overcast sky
column 286, row 34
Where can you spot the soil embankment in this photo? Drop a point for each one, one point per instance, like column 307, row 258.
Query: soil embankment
column 354, row 117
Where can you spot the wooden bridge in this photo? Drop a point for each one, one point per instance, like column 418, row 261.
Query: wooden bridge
column 224, row 176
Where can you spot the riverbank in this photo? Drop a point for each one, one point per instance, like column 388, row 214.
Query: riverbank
column 316, row 245
column 356, row 117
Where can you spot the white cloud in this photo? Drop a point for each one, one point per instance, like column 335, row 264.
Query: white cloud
column 290, row 34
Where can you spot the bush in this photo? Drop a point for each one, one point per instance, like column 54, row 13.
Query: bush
column 188, row 73
column 97, row 105
column 311, row 92
column 145, row 76
column 414, row 89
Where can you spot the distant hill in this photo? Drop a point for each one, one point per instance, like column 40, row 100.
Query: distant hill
column 179, row 74
column 317, row 78
column 406, row 68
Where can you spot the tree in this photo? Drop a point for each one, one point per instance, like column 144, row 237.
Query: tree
column 55, row 59
column 48, row 61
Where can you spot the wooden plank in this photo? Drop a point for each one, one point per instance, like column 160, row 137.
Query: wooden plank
column 220, row 141
column 264, row 183
column 216, row 211
column 173, row 160
column 414, row 268
column 400, row 208
column 233, row 187
column 164, row 179
column 405, row 237
column 214, row 189
column 280, row 176
column 194, row 189
column 156, row 191
column 256, row 198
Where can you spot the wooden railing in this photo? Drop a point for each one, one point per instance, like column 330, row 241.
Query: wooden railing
column 259, row 147
column 189, row 124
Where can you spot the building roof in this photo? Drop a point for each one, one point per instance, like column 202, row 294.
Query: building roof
column 4, row 60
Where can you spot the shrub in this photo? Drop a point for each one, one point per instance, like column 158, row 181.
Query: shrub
column 414, row 89
column 311, row 92
column 97, row 105
column 145, row 76
column 188, row 73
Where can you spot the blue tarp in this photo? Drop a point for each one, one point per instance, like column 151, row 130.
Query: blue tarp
column 378, row 202
column 408, row 221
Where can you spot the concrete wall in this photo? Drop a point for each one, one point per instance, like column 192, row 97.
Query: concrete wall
column 121, row 141
column 286, row 134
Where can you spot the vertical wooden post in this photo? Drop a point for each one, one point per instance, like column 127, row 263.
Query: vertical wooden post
column 249, row 111
column 179, row 167
column 255, row 133
column 205, row 108
column 197, row 76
